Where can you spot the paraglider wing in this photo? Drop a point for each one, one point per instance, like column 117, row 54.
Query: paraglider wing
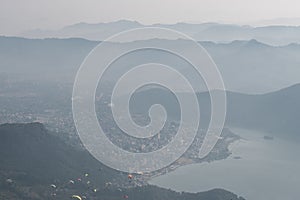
column 9, row 180
column 130, row 176
column 76, row 197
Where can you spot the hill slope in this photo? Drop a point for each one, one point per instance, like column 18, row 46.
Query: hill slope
column 31, row 159
column 277, row 112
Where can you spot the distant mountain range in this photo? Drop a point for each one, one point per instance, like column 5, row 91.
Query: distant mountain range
column 35, row 165
column 246, row 66
column 273, row 35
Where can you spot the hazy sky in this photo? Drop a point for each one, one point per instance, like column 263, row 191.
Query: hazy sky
column 20, row 15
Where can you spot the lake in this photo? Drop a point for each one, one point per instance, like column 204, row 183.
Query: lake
column 266, row 170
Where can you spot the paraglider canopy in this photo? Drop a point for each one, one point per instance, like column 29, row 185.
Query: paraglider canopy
column 76, row 197
column 9, row 180
column 108, row 184
column 130, row 176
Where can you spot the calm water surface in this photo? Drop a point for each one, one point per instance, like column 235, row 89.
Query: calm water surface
column 267, row 170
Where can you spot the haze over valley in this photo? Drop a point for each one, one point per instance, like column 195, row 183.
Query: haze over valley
column 194, row 102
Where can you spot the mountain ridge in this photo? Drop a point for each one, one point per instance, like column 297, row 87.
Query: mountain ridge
column 201, row 32
column 246, row 66
column 276, row 113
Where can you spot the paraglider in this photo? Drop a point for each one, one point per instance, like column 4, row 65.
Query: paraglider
column 130, row 176
column 219, row 138
column 9, row 180
column 76, row 197
column 108, row 184
column 53, row 186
